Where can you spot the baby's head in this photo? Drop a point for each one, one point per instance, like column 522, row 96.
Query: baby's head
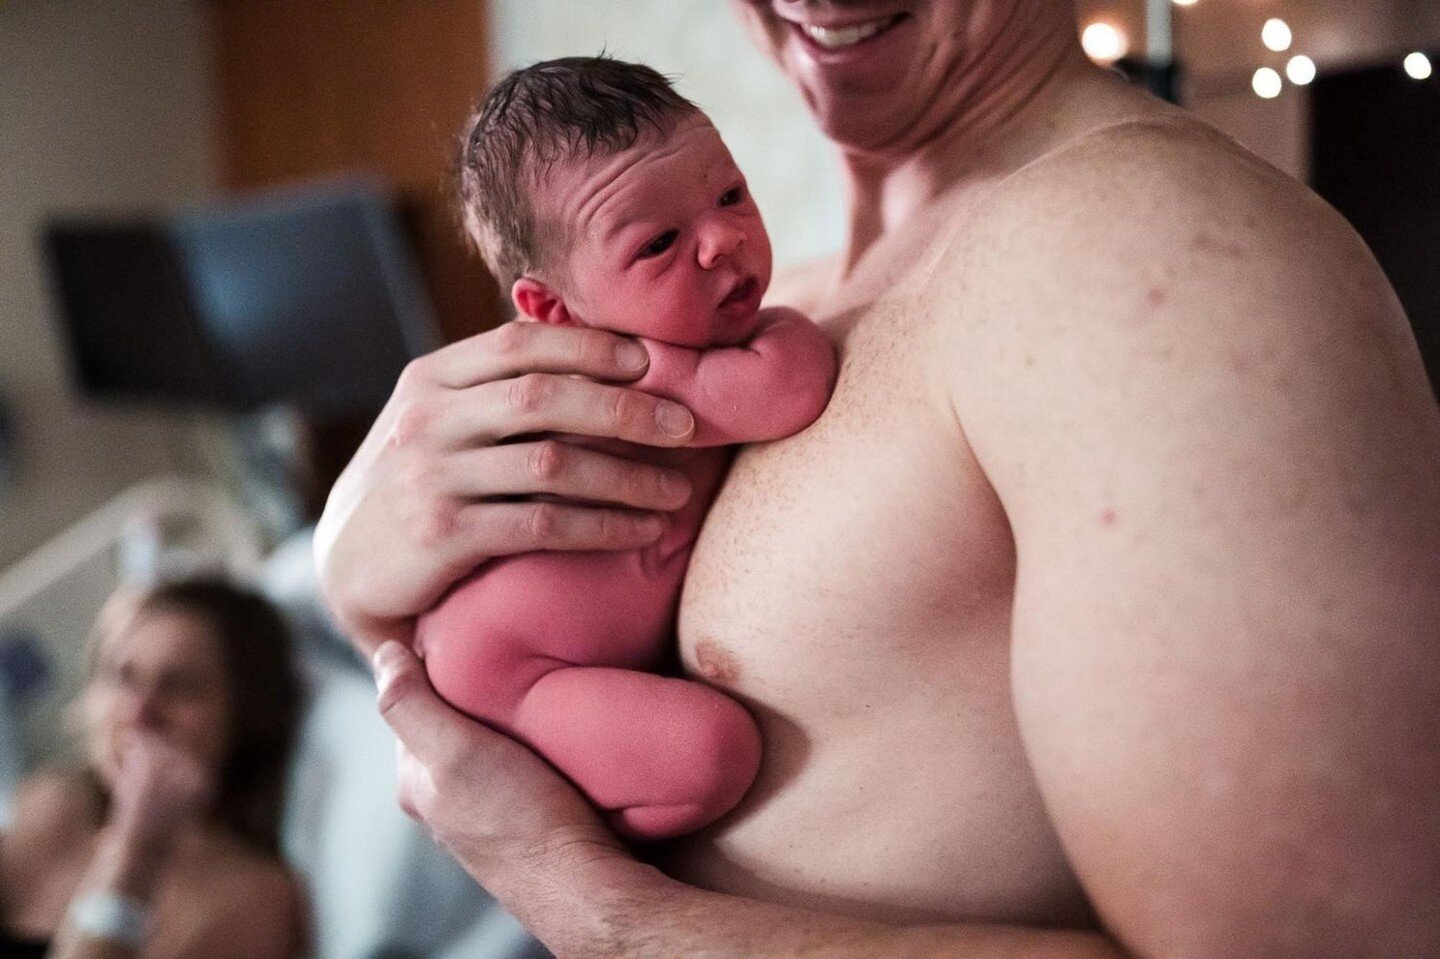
column 604, row 198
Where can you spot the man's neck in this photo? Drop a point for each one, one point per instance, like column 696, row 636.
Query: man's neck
column 1000, row 116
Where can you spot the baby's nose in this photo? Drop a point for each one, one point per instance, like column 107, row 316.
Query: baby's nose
column 717, row 242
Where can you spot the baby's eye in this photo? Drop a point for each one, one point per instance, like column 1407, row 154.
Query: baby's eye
column 659, row 245
column 732, row 196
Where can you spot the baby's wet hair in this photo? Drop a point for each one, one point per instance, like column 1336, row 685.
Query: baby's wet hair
column 535, row 117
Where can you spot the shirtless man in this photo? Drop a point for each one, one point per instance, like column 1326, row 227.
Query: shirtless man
column 1094, row 617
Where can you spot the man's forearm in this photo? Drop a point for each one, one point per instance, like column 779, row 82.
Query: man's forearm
column 618, row 907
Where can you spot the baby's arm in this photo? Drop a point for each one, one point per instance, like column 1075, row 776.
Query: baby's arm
column 772, row 386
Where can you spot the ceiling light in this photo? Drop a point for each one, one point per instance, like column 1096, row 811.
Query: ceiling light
column 1104, row 43
column 1418, row 66
column 1276, row 35
column 1300, row 70
column 1267, row 83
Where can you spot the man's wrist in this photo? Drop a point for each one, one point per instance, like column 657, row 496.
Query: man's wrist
column 581, row 900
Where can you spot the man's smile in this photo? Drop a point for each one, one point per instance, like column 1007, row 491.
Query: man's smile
column 848, row 35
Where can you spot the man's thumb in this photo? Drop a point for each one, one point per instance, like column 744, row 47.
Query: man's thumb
column 406, row 702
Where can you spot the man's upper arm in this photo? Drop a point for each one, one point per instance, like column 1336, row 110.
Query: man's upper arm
column 1201, row 407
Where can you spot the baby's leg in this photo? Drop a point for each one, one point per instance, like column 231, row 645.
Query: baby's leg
column 662, row 756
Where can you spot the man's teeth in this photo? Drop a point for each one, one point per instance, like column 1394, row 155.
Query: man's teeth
column 832, row 39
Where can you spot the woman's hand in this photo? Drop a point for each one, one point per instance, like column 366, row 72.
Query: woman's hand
column 499, row 809
column 160, row 789
column 432, row 491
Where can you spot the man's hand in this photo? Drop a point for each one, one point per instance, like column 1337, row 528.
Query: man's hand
column 533, row 841
column 435, row 488
column 502, row 804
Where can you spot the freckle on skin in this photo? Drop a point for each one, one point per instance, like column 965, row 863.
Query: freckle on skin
column 1155, row 296
column 1107, row 517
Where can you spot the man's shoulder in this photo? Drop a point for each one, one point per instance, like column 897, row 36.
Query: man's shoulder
column 1139, row 184
column 1153, row 211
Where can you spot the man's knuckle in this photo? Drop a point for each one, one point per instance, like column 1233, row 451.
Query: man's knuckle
column 626, row 407
column 412, row 422
column 413, row 373
column 543, row 521
column 438, row 522
column 509, row 340
column 547, row 460
column 530, row 392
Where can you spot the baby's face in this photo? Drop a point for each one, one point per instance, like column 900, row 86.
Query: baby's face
column 662, row 239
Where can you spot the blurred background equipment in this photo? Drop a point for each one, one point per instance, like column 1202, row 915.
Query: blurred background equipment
column 308, row 297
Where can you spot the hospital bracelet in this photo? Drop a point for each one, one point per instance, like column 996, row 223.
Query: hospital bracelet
column 105, row 915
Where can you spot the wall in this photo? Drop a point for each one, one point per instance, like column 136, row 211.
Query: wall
column 790, row 167
column 375, row 86
column 103, row 106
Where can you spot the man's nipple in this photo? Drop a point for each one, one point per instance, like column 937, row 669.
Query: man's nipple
column 715, row 664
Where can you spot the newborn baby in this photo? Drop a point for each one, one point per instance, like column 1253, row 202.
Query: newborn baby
column 610, row 201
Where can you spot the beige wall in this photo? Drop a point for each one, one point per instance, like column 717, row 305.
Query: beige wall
column 104, row 105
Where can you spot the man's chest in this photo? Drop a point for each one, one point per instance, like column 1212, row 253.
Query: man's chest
column 875, row 526
column 852, row 586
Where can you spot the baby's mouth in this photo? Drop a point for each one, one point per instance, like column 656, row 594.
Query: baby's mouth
column 741, row 293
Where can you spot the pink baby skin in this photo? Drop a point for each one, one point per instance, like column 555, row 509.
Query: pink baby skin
column 662, row 242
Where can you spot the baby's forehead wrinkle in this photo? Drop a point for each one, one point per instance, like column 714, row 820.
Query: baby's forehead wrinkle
column 606, row 190
column 612, row 187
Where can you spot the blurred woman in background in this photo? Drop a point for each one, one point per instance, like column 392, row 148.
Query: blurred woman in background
column 166, row 843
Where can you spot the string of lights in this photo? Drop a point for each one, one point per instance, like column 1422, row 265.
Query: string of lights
column 1106, row 43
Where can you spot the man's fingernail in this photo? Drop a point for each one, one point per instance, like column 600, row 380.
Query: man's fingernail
column 631, row 356
column 673, row 418
column 387, row 660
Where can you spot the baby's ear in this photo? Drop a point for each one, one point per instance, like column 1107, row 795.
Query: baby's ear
column 540, row 303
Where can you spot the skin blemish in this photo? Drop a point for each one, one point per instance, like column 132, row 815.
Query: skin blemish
column 1107, row 517
column 1206, row 243
column 1156, row 296
column 1239, row 362
column 714, row 663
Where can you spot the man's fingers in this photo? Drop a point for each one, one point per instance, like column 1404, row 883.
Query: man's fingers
column 563, row 469
column 523, row 347
column 550, row 403
column 479, row 531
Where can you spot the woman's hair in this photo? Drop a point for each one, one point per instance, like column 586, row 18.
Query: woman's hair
column 263, row 686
